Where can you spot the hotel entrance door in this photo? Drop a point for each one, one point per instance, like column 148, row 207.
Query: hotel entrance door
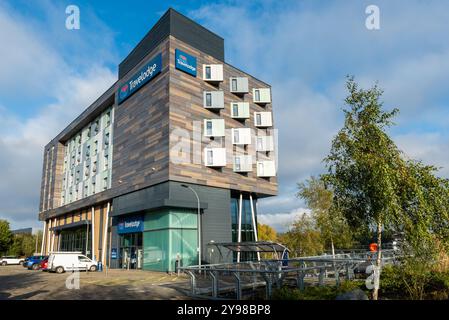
column 131, row 252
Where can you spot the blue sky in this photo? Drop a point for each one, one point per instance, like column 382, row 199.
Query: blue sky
column 49, row 74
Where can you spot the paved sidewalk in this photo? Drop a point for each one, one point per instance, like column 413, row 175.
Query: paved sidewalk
column 19, row 283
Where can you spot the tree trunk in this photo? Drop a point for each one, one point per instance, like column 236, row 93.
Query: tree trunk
column 379, row 259
column 333, row 249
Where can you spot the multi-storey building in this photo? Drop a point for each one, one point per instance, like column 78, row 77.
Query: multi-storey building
column 120, row 183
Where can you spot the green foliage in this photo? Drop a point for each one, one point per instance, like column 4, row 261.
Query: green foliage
column 23, row 245
column 332, row 225
column 303, row 238
column 266, row 233
column 316, row 292
column 5, row 236
column 416, row 283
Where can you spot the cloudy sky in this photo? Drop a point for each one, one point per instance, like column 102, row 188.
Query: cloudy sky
column 49, row 74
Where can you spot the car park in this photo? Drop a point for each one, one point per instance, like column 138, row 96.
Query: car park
column 60, row 262
column 10, row 260
column 34, row 262
column 44, row 264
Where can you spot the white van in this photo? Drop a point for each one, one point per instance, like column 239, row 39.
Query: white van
column 69, row 261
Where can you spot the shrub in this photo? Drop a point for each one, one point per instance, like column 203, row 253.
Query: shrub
column 316, row 292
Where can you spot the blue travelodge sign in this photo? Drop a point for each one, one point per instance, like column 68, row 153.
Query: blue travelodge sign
column 130, row 224
column 148, row 72
column 185, row 62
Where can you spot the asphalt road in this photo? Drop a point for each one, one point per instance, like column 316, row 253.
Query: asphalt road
column 18, row 283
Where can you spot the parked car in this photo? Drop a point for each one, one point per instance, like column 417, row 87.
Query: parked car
column 7, row 260
column 60, row 262
column 44, row 264
column 34, row 262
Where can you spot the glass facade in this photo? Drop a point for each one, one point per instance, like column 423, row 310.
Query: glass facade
column 131, row 252
column 75, row 240
column 246, row 225
column 170, row 234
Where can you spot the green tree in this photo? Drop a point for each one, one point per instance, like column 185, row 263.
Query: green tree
column 266, row 233
column 303, row 238
column 331, row 223
column 5, row 236
column 375, row 186
column 364, row 164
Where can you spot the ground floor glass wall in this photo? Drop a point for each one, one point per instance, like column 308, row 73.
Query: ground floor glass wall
column 247, row 231
column 170, row 235
column 75, row 240
column 131, row 251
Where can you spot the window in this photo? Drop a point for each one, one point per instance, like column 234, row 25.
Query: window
column 236, row 136
column 97, row 126
column 208, row 73
column 234, row 84
column 235, row 110
column 106, row 161
column 260, row 171
column 96, row 147
column 209, row 99
column 88, row 151
column 257, row 95
column 105, row 183
column 237, row 164
column 106, row 139
column 94, row 169
column 88, row 133
column 210, row 157
column 260, row 143
column 209, row 128
column 258, row 119
column 108, row 118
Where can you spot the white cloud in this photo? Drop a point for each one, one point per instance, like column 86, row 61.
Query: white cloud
column 281, row 222
column 305, row 50
column 22, row 139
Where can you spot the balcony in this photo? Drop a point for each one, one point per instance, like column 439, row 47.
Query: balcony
column 213, row 72
column 243, row 163
column 215, row 157
column 214, row 128
column 263, row 119
column 238, row 85
column 241, row 136
column 262, row 95
column 240, row 110
column 264, row 143
column 266, row 169
column 213, row 99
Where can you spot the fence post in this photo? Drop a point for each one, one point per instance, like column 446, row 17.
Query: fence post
column 321, row 276
column 238, row 287
column 214, row 276
column 192, row 282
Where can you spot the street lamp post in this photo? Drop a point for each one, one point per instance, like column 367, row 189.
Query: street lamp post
column 198, row 222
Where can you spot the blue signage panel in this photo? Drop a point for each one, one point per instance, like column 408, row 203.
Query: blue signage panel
column 114, row 253
column 130, row 224
column 185, row 62
column 148, row 72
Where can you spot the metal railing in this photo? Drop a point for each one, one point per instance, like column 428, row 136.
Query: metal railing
column 229, row 280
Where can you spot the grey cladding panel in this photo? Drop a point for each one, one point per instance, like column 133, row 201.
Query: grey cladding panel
column 175, row 24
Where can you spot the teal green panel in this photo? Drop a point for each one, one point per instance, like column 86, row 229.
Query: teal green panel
column 183, row 219
column 183, row 242
column 156, row 250
column 157, row 220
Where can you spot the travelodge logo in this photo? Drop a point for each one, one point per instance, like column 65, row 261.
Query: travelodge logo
column 148, row 72
column 124, row 91
column 130, row 224
column 185, row 62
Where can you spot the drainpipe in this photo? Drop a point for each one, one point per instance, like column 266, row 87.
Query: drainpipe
column 43, row 237
column 105, row 235
column 48, row 236
column 93, row 233
column 53, row 237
